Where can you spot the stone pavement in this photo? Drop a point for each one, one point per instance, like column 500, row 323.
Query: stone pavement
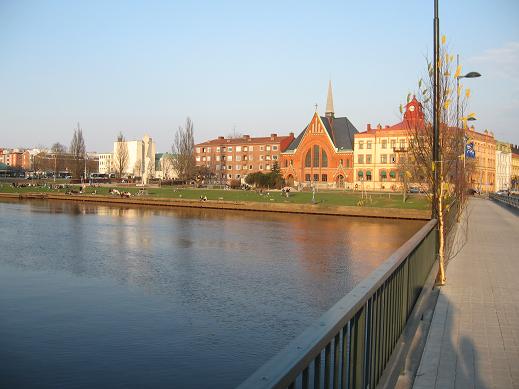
column 473, row 341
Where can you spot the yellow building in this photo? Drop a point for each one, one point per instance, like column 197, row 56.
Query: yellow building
column 482, row 176
column 378, row 152
column 515, row 167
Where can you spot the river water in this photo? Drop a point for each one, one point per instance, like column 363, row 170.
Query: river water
column 119, row 297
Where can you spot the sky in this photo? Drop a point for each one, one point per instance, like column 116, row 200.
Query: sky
column 238, row 66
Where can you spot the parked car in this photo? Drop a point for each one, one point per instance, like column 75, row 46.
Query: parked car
column 414, row 190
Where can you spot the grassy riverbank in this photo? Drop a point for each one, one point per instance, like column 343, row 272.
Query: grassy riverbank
column 325, row 198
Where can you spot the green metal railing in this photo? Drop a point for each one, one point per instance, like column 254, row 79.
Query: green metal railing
column 350, row 345
column 512, row 201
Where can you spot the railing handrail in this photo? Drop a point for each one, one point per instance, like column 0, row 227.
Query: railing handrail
column 510, row 200
column 284, row 367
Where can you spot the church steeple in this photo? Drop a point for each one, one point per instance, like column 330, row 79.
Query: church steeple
column 329, row 102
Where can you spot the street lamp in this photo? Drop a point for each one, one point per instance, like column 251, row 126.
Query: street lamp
column 468, row 75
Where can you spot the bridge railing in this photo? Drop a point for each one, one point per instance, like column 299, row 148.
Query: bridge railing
column 513, row 201
column 350, row 345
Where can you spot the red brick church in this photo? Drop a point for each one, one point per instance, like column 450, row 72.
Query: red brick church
column 322, row 154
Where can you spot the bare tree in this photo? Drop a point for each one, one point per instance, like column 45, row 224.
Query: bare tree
column 121, row 155
column 137, row 168
column 184, row 151
column 167, row 166
column 58, row 150
column 450, row 167
column 78, row 151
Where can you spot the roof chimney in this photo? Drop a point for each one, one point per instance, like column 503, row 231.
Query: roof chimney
column 368, row 128
column 221, row 138
column 273, row 136
column 246, row 136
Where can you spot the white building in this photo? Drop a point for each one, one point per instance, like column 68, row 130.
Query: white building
column 106, row 163
column 141, row 158
column 164, row 167
column 503, row 166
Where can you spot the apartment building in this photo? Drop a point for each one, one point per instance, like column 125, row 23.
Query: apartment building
column 234, row 158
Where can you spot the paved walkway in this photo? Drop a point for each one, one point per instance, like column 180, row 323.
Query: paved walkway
column 473, row 341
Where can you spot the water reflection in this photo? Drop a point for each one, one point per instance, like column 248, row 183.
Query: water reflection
column 170, row 297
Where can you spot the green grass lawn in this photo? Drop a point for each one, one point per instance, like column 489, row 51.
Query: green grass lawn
column 325, row 198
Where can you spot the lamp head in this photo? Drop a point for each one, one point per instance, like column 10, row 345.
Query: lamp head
column 472, row 75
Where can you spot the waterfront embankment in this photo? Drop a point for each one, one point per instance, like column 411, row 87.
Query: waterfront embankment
column 312, row 209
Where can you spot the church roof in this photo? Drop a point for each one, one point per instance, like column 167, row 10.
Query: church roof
column 341, row 133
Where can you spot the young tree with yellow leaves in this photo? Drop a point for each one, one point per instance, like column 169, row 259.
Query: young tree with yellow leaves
column 450, row 168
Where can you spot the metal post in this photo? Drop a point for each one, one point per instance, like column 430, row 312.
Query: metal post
column 436, row 110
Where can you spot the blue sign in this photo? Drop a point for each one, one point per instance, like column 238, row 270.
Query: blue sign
column 469, row 150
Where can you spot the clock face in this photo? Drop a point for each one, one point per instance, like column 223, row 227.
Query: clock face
column 411, row 108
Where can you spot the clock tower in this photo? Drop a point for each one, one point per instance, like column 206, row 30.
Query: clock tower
column 413, row 110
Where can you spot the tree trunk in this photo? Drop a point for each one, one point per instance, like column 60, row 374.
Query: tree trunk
column 441, row 233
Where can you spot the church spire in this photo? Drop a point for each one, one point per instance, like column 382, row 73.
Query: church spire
column 329, row 102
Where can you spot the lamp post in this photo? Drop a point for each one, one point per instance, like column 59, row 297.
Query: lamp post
column 436, row 110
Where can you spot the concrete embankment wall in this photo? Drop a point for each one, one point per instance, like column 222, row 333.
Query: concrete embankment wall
column 392, row 213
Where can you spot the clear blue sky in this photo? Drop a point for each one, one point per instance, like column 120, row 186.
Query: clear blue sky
column 260, row 67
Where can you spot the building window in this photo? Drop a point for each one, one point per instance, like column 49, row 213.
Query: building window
column 384, row 143
column 360, row 158
column 198, row 149
column 238, row 167
column 316, row 156
column 308, row 159
column 274, row 147
column 267, row 167
column 361, row 144
column 393, row 143
column 251, row 148
column 262, row 157
column 229, row 158
column 324, row 160
column 268, row 158
column 307, row 177
column 368, row 144
column 316, row 177
column 368, row 158
column 261, row 148
column 250, row 167
column 218, row 149
column 197, row 158
column 208, row 149
column 238, row 158
column 230, row 176
column 238, row 148
column 368, row 175
column 392, row 158
column 268, row 148
column 238, row 176
column 245, row 148
column 340, row 162
column 324, row 178
column 383, row 158
column 250, row 157
column 229, row 167
column 402, row 143
column 275, row 157
column 229, row 148
column 261, row 167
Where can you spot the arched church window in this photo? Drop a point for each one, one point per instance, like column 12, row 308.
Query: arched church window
column 308, row 158
column 316, row 156
column 324, row 160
